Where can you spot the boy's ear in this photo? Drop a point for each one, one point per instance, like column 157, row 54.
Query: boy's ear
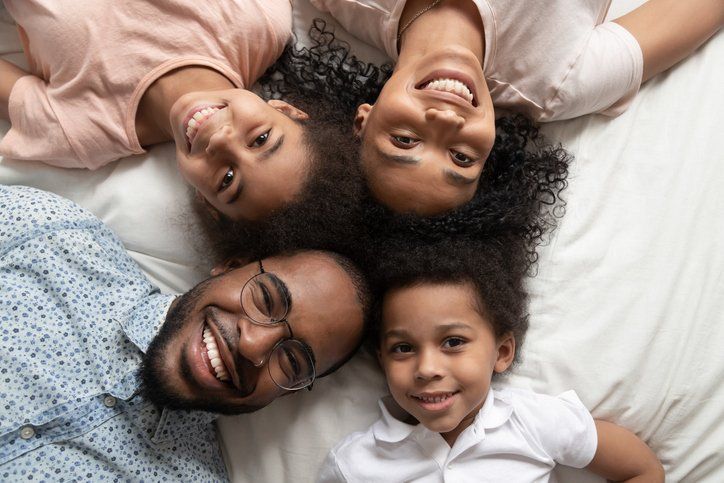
column 360, row 119
column 506, row 352
column 228, row 265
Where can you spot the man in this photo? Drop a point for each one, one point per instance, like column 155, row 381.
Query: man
column 88, row 345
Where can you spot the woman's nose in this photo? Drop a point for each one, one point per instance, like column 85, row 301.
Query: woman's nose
column 447, row 117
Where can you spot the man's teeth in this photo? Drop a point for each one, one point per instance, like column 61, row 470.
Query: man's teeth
column 197, row 120
column 212, row 350
column 453, row 86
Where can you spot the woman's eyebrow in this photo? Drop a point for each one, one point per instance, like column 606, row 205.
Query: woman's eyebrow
column 396, row 158
column 457, row 179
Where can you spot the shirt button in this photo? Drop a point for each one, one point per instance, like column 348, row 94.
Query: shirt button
column 449, row 467
column 27, row 432
column 109, row 401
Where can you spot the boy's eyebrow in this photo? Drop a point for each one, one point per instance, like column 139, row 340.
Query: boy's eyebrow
column 267, row 154
column 402, row 333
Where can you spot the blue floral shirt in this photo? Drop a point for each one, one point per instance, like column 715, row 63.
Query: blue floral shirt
column 76, row 315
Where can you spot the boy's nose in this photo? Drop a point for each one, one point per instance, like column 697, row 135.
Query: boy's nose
column 428, row 366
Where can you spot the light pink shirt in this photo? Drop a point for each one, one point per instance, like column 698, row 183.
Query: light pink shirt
column 92, row 61
column 550, row 59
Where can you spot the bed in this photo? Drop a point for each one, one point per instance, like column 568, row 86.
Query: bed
column 627, row 307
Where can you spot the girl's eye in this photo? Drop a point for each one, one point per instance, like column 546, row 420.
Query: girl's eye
column 453, row 343
column 404, row 142
column 227, row 179
column 461, row 159
column 402, row 348
column 261, row 140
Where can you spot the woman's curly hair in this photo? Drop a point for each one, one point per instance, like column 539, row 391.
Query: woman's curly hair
column 518, row 194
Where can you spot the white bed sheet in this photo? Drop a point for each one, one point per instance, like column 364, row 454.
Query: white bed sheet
column 627, row 307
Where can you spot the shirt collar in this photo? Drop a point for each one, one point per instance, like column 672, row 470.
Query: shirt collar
column 495, row 412
column 143, row 322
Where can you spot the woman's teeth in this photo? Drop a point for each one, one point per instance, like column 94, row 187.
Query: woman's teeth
column 452, row 86
column 197, row 120
column 212, row 351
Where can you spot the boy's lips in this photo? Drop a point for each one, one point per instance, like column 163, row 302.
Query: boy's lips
column 435, row 401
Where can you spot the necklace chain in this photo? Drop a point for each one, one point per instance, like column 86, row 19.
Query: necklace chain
column 429, row 7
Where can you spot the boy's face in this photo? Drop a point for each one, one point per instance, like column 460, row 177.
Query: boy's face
column 439, row 354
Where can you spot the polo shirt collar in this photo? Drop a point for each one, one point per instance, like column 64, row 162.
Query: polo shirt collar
column 495, row 412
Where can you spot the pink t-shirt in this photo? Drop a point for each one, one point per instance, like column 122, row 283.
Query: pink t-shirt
column 93, row 60
column 549, row 59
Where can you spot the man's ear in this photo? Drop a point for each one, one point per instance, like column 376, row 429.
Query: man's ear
column 286, row 108
column 506, row 352
column 360, row 119
column 228, row 265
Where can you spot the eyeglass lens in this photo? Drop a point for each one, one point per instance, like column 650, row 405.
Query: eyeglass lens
column 265, row 303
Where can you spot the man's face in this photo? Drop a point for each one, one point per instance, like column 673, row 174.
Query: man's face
column 324, row 314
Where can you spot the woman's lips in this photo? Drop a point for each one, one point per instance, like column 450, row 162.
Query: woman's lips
column 453, row 82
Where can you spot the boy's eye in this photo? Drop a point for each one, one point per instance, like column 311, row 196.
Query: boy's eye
column 401, row 348
column 453, row 343
column 404, row 142
column 227, row 179
column 261, row 140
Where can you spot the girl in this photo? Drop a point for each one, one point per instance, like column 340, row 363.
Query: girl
column 451, row 318
column 109, row 79
column 426, row 139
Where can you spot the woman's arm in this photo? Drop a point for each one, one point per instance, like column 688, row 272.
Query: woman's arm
column 670, row 30
column 9, row 73
column 622, row 456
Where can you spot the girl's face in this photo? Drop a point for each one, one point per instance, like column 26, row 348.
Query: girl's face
column 244, row 156
column 439, row 353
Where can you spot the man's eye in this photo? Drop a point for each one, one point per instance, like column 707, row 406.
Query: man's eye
column 261, row 140
column 462, row 159
column 227, row 179
column 404, row 141
column 453, row 342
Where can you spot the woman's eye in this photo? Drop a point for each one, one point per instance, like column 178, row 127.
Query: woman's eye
column 261, row 140
column 462, row 159
column 402, row 348
column 404, row 141
column 227, row 179
column 453, row 342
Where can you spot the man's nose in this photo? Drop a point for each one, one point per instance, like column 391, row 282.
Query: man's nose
column 445, row 117
column 429, row 366
column 257, row 341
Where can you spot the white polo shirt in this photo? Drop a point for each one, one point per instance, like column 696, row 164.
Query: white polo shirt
column 518, row 436
column 549, row 59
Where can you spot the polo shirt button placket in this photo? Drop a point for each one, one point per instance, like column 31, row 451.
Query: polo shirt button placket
column 109, row 401
column 27, row 432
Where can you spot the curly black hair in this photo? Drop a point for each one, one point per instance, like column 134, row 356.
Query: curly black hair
column 518, row 194
column 493, row 267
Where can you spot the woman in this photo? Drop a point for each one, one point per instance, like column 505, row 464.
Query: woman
column 428, row 136
column 109, row 79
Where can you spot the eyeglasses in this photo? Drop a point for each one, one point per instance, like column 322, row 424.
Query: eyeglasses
column 265, row 300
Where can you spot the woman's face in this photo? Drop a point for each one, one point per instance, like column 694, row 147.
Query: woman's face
column 427, row 137
column 245, row 156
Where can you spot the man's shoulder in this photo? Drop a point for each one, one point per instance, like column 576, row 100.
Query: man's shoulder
column 27, row 211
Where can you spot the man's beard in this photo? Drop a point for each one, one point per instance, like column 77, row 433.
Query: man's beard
column 154, row 381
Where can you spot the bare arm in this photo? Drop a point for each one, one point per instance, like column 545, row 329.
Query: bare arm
column 9, row 73
column 622, row 456
column 670, row 30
